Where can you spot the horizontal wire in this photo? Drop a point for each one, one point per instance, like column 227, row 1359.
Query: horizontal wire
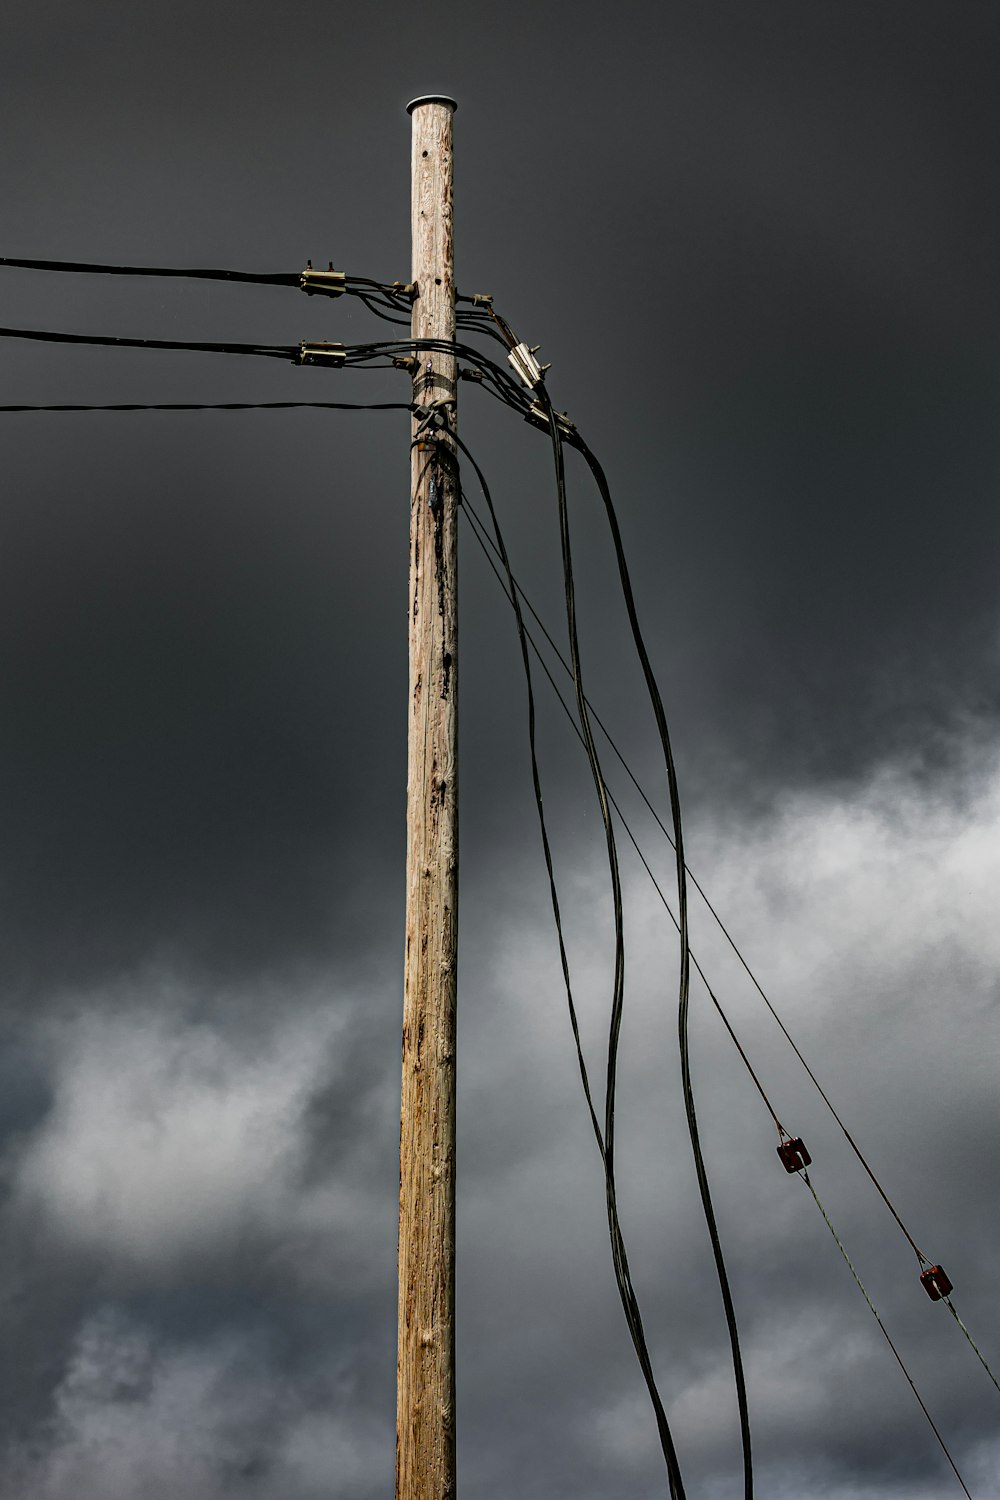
column 273, row 351
column 226, row 406
column 353, row 284
column 275, row 278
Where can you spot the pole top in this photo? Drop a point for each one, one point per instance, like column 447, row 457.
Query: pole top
column 432, row 99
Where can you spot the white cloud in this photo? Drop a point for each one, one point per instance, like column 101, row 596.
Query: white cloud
column 173, row 1140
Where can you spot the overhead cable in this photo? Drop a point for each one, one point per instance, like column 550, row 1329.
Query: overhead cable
column 899, row 1360
column 257, row 278
column 272, row 351
column 394, row 295
column 682, row 912
column 225, row 406
column 623, row 1277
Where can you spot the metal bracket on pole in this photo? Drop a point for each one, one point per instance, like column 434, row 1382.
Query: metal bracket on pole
column 321, row 354
column 332, row 283
column 523, row 361
column 539, row 417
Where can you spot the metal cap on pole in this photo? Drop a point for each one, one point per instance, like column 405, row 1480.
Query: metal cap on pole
column 432, row 99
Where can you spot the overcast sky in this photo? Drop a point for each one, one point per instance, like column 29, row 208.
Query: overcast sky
column 759, row 244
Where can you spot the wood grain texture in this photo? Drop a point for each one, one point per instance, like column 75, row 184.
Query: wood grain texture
column 425, row 1426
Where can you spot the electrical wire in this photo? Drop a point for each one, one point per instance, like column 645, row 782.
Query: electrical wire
column 623, row 1277
column 840, row 1246
column 976, row 1349
column 684, row 987
column 226, row 406
column 272, row 351
column 277, row 278
column 390, row 294
column 511, row 590
column 484, row 542
column 578, row 443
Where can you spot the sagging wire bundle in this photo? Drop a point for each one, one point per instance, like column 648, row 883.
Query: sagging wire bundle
column 791, row 1150
column 521, row 357
column 623, row 1277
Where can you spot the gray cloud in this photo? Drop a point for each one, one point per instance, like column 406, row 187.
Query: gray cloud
column 759, row 246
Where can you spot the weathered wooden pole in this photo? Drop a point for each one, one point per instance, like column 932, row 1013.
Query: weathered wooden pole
column 425, row 1411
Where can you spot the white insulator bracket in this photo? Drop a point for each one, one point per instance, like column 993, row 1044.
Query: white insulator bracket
column 332, row 283
column 321, row 354
column 522, row 360
column 539, row 417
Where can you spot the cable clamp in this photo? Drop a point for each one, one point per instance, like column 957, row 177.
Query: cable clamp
column 434, row 413
column 433, row 419
column 935, row 1283
column 482, row 299
column 539, row 417
column 404, row 288
column 406, row 362
column 321, row 354
column 332, row 282
column 794, row 1156
column 467, row 372
column 523, row 361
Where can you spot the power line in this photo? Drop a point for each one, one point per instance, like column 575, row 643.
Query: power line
column 923, row 1259
column 622, row 1270
column 899, row 1360
column 257, row 278
column 682, row 912
column 273, row 351
column 308, row 280
column 225, row 406
column 511, row 591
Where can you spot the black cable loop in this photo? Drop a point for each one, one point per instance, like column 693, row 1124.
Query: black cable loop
column 684, row 986
column 619, row 1255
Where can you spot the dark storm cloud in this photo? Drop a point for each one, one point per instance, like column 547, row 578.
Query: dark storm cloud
column 759, row 245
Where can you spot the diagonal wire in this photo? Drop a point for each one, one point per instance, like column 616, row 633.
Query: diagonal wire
column 840, row 1246
column 924, row 1260
column 479, row 532
column 982, row 1358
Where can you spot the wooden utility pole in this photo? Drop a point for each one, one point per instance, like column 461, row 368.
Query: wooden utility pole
column 425, row 1412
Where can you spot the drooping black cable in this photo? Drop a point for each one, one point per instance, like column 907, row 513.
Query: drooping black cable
column 226, row 406
column 391, row 294
column 619, row 1255
column 617, row 1001
column 483, row 539
column 682, row 912
column 271, row 351
column 276, row 278
column 922, row 1258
